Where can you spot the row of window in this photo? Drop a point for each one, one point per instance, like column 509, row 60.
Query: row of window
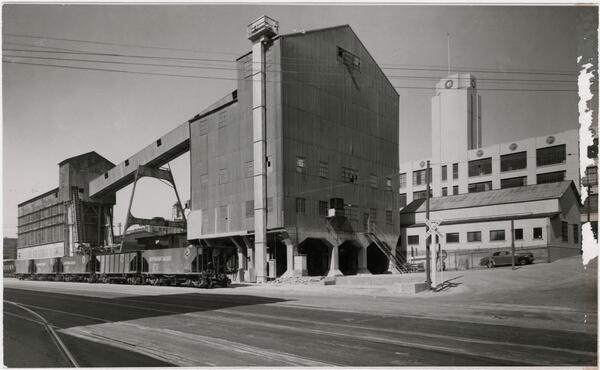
column 542, row 178
column 500, row 235
column 508, row 162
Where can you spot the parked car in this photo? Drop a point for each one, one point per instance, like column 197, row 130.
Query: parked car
column 503, row 258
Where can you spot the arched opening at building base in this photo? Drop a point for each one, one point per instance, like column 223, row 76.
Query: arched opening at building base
column 348, row 252
column 377, row 261
column 317, row 256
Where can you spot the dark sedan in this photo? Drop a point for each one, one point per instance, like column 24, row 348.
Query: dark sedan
column 504, row 258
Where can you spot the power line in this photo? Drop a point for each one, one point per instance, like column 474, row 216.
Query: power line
column 495, row 80
column 237, row 79
column 381, row 65
column 275, row 63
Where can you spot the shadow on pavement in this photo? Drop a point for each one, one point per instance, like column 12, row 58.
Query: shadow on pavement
column 68, row 310
column 446, row 285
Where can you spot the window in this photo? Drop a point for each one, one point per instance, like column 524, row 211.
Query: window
column 513, row 182
column 249, row 208
column 402, row 200
column 270, row 204
column 389, row 217
column 537, row 233
column 515, row 161
column 249, row 169
column 301, row 205
column 518, row 234
column 591, row 176
column 496, row 235
column 551, row 155
column 452, row 238
column 388, row 184
column 300, row 164
column 323, row 169
column 413, row 240
column 158, row 142
column 373, row 181
column 373, row 215
column 420, row 178
column 474, row 236
column 322, row 208
column 350, row 60
column 126, row 162
column 576, row 233
column 565, row 231
column 455, row 171
column 444, row 192
column 349, row 175
column 455, row 190
column 544, row 178
column 444, row 173
column 591, row 202
column 480, row 167
column 480, row 186
column 223, row 177
column 420, row 194
column 402, row 180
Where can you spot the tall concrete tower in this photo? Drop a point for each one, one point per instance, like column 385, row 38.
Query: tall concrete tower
column 455, row 123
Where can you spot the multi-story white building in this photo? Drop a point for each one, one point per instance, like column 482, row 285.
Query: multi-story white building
column 459, row 163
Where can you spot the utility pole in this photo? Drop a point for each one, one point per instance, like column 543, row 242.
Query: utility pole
column 428, row 238
column 512, row 242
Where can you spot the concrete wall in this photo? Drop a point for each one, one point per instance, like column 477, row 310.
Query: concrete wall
column 457, row 154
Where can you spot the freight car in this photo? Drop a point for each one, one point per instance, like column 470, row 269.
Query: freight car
column 196, row 266
column 9, row 268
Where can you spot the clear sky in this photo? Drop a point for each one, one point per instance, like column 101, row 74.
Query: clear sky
column 50, row 113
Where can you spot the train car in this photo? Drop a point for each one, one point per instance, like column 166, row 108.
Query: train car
column 123, row 267
column 9, row 268
column 189, row 266
column 48, row 268
column 80, row 268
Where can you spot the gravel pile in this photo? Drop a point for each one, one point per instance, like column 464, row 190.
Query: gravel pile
column 304, row 280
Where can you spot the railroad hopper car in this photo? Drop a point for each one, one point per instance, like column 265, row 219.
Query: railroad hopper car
column 121, row 267
column 9, row 268
column 189, row 266
column 80, row 268
column 39, row 269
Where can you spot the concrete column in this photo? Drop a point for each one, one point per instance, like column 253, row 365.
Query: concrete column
column 334, row 263
column 362, row 261
column 259, row 149
column 289, row 245
column 241, row 263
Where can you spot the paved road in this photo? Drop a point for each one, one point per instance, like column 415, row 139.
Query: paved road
column 220, row 329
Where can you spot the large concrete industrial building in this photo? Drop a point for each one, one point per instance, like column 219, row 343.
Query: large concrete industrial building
column 459, row 162
column 295, row 171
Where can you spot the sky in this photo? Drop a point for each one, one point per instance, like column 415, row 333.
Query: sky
column 52, row 113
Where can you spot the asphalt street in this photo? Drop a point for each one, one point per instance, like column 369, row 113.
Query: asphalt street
column 185, row 328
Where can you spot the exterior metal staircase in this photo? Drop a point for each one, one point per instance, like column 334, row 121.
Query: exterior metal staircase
column 375, row 235
column 77, row 211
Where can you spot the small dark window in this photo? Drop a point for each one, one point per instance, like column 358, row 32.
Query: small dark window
column 537, row 233
column 455, row 190
column 496, row 235
column 480, row 167
column 480, row 186
column 544, row 178
column 127, row 162
column 389, row 217
column 518, row 234
column 106, row 175
column 444, row 192
column 158, row 142
column 515, row 161
column 474, row 236
column 455, row 171
column 322, row 208
column 81, row 190
column 513, row 182
column 413, row 240
column 575, row 233
column 419, row 194
column 452, row 238
column 402, row 200
column 402, row 180
column 551, row 155
column 565, row 231
column 444, row 173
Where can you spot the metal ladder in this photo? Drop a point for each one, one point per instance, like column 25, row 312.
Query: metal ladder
column 77, row 229
column 375, row 235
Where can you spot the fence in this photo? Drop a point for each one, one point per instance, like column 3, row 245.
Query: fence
column 470, row 258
